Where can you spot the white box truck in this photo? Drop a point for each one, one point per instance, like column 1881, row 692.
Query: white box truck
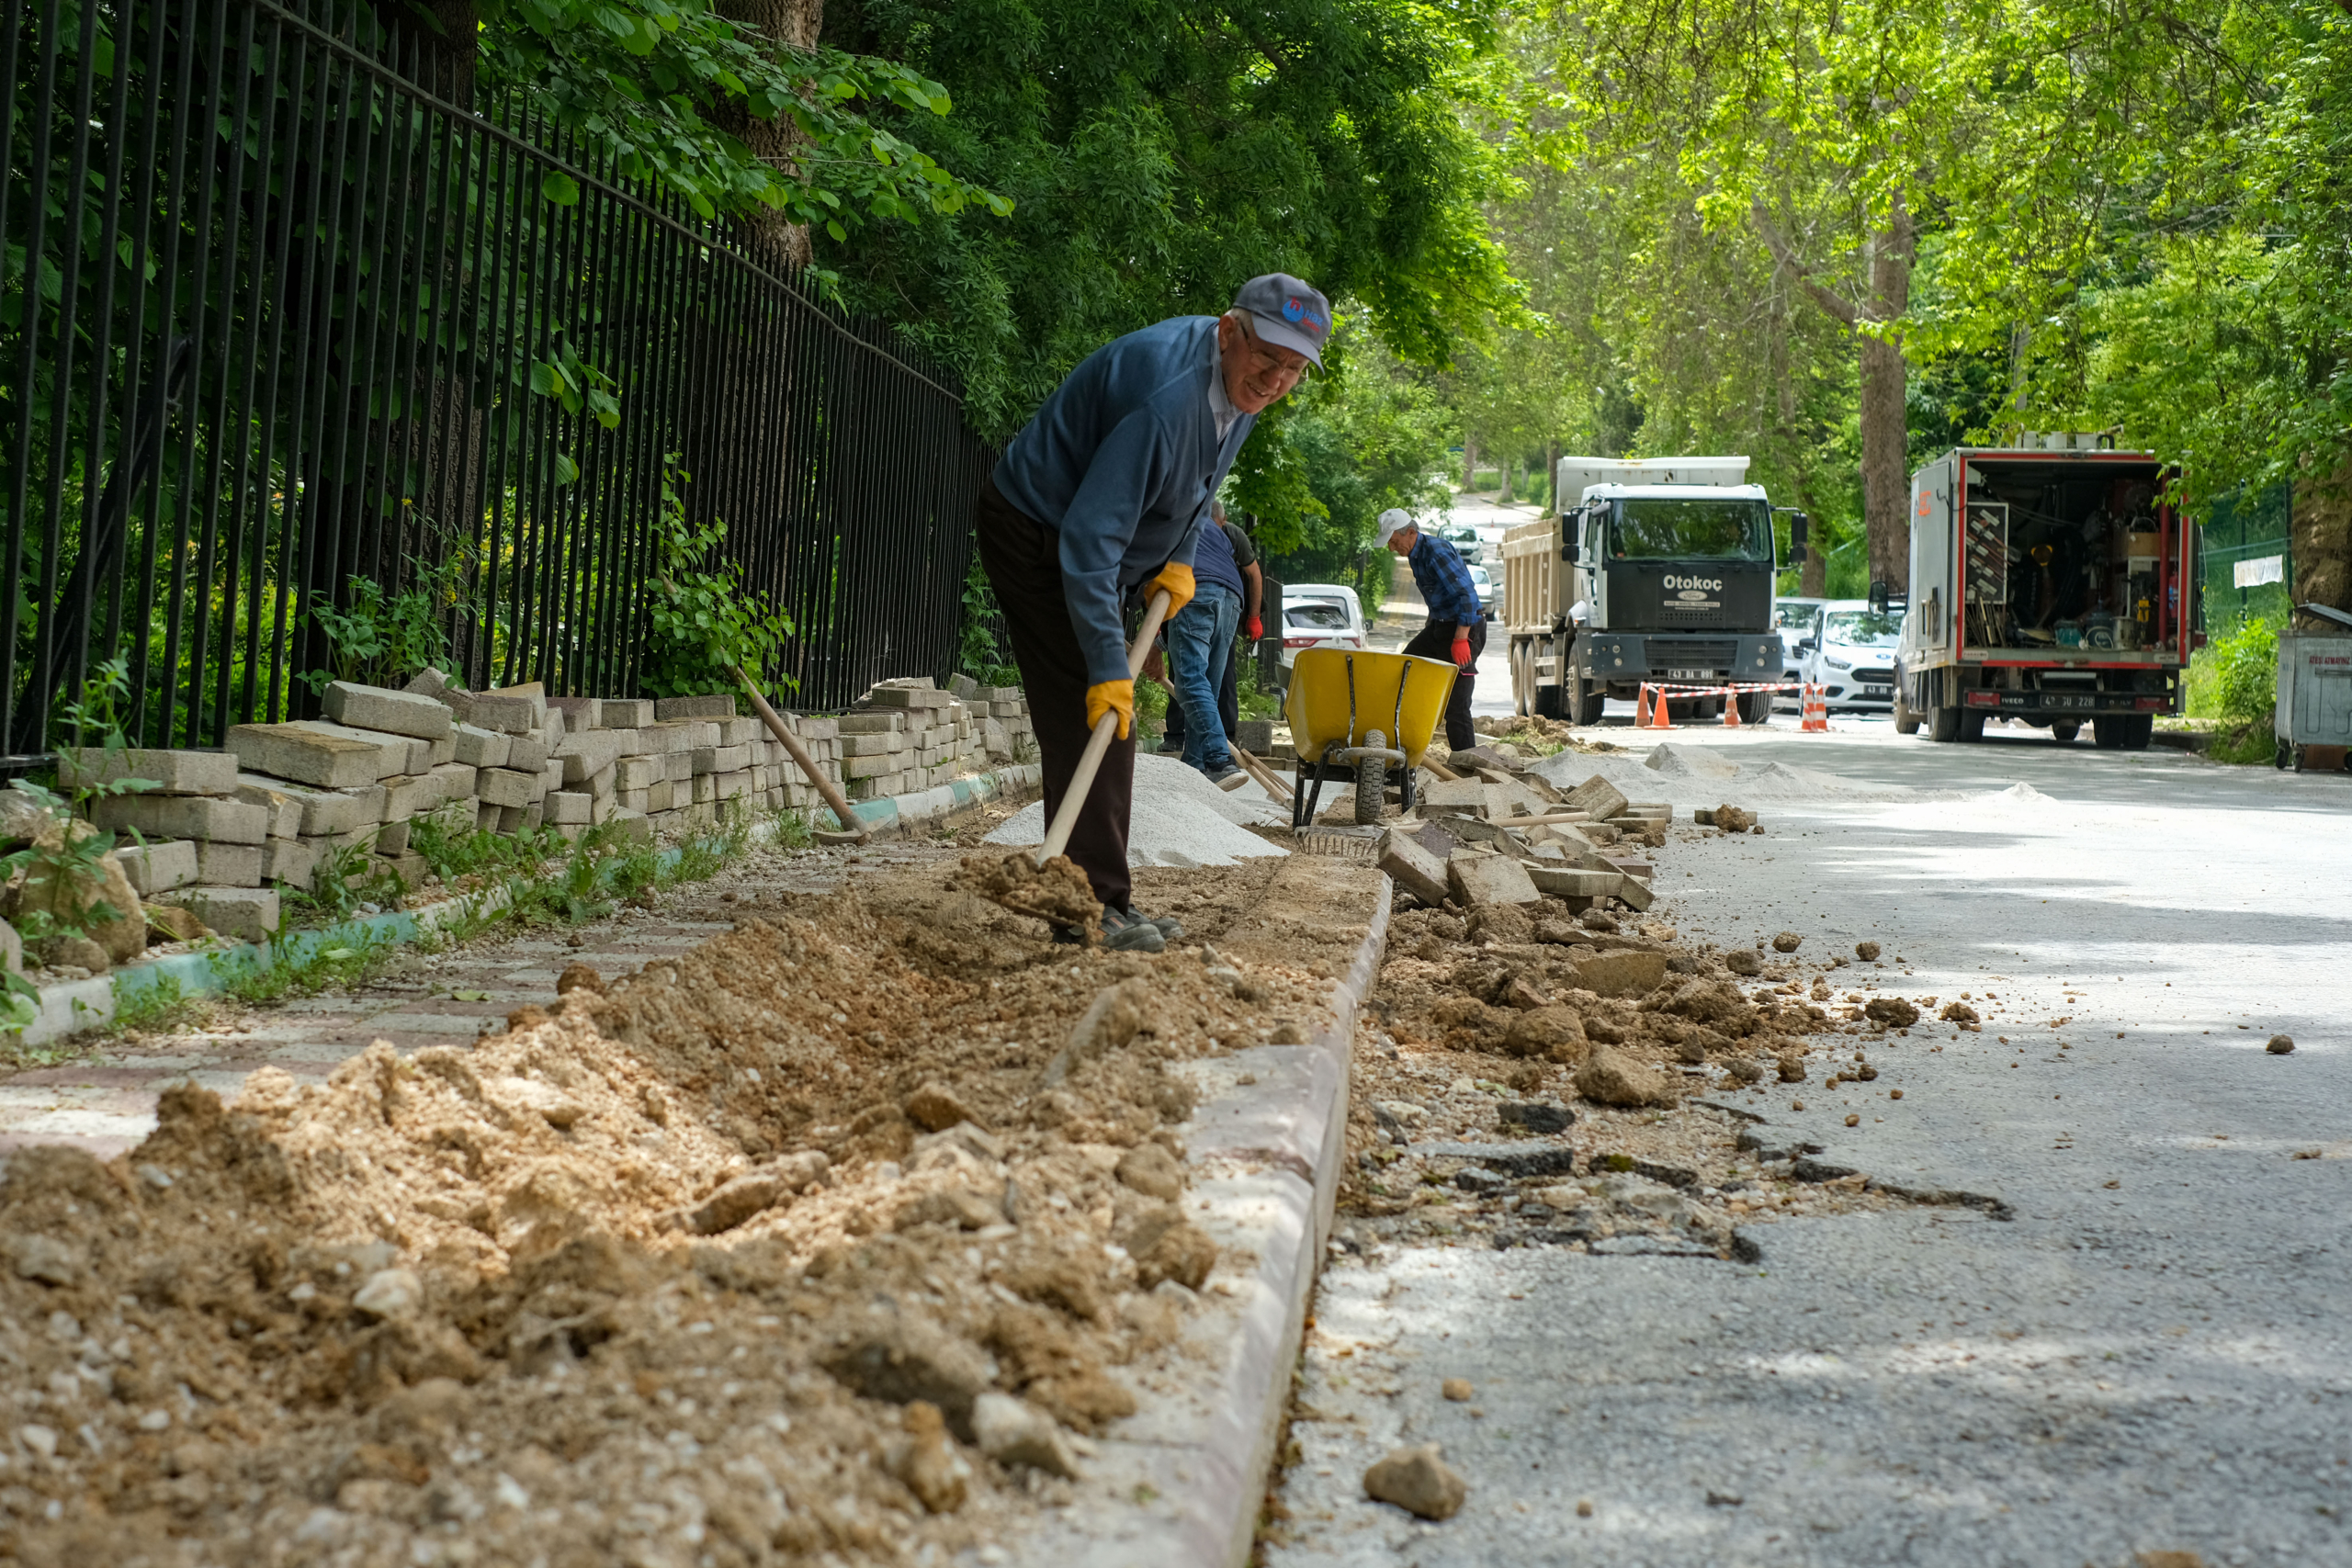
column 2054, row 582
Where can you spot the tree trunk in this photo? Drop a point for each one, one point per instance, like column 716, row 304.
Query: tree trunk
column 1812, row 578
column 2321, row 537
column 1470, row 464
column 1887, row 494
column 1886, row 490
column 1552, row 472
column 765, row 232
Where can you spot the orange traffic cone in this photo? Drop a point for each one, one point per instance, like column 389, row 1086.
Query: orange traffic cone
column 1655, row 717
column 1731, row 710
column 1816, row 711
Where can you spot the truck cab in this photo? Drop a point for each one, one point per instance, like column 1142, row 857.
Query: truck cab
column 2054, row 582
column 1648, row 576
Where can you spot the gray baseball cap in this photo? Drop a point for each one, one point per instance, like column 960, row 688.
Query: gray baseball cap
column 1287, row 312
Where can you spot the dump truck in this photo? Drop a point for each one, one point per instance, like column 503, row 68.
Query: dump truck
column 1655, row 569
column 2056, row 581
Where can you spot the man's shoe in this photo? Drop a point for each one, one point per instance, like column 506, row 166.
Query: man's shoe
column 1227, row 777
column 1170, row 927
column 1126, row 931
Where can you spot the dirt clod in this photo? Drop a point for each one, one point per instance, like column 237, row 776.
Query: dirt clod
column 1056, row 891
column 1787, row 941
column 579, row 976
column 1893, row 1011
column 1458, row 1390
column 2280, row 1045
column 1418, row 1481
column 1610, row 1077
column 1733, row 820
column 1867, row 950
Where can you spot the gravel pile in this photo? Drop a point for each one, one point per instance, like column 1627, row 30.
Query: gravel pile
column 1178, row 819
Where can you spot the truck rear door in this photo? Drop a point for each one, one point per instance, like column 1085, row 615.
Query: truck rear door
column 1928, row 639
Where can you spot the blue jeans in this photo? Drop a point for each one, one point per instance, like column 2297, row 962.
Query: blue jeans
column 1200, row 645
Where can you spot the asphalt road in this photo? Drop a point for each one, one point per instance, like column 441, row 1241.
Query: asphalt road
column 2151, row 1356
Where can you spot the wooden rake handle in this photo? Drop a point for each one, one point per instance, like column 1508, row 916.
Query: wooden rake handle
column 825, row 787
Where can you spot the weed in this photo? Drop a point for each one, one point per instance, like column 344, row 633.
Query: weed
column 159, row 1005
column 377, row 640
column 2236, row 680
column 291, row 969
column 705, row 621
column 791, row 829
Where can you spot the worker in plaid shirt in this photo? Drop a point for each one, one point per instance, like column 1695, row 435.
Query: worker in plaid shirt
column 1455, row 630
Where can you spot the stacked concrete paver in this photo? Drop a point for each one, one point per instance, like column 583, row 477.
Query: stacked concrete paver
column 224, row 831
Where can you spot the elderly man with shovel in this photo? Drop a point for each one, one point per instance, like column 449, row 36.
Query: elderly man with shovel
column 1099, row 500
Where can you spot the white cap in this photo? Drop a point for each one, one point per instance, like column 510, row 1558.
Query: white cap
column 1393, row 522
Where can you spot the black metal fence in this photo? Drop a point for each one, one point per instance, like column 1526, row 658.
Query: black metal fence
column 290, row 340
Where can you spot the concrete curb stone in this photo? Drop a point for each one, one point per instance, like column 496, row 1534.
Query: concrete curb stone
column 1179, row 1483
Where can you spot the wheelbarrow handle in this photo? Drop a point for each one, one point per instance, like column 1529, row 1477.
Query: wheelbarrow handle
column 1090, row 762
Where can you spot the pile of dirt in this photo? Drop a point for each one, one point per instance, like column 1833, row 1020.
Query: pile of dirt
column 835, row 1238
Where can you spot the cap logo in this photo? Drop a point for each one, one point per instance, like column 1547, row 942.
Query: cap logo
column 1295, row 310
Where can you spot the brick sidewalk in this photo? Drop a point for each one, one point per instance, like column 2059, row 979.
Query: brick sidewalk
column 105, row 1102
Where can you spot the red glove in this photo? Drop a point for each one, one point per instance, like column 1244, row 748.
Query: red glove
column 1462, row 651
column 1253, row 628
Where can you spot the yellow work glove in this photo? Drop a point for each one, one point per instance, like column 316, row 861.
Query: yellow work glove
column 1113, row 696
column 1178, row 582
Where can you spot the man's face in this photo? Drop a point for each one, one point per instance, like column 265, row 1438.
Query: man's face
column 1403, row 540
column 1257, row 375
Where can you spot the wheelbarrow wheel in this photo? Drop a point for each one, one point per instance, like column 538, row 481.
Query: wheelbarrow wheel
column 1371, row 788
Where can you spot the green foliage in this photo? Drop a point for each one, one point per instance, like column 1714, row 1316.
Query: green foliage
column 68, row 858
column 1151, row 708
column 976, row 651
column 380, row 639
column 346, row 876
column 1159, row 158
column 647, row 81
column 2234, row 679
column 303, row 967
column 1348, row 448
column 160, row 1003
column 706, row 622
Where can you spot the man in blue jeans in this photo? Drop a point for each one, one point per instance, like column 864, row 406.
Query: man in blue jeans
column 1200, row 646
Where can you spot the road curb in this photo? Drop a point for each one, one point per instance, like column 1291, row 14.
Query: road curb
column 1180, row 1485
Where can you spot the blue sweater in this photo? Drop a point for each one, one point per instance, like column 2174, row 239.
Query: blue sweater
column 1121, row 461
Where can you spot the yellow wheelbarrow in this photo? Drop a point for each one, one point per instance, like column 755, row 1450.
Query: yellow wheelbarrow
column 1350, row 710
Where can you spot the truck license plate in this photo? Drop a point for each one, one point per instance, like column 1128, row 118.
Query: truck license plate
column 1690, row 675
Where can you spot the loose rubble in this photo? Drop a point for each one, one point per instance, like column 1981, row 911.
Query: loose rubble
column 1537, row 1048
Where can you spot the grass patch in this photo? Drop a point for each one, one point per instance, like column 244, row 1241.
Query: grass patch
column 161, row 1004
column 294, row 968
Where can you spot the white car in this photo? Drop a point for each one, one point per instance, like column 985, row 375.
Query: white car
column 1850, row 655
column 1489, row 604
column 1320, row 614
column 1795, row 619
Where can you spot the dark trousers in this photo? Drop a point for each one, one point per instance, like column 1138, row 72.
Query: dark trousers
column 1022, row 558
column 1435, row 640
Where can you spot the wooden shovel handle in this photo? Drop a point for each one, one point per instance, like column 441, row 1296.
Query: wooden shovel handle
column 1097, row 744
